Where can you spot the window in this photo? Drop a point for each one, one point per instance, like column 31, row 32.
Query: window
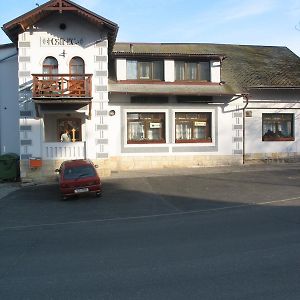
column 192, row 71
column 145, row 128
column 76, row 65
column 145, row 70
column 193, row 127
column 277, row 127
column 77, row 84
column 77, row 172
column 50, row 65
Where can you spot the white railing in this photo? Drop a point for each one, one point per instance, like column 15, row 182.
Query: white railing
column 60, row 151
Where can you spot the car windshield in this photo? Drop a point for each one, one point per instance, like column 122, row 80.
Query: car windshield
column 79, row 172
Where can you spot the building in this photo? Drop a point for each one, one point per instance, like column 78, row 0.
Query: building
column 140, row 105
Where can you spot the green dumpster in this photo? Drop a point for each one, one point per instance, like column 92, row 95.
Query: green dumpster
column 9, row 166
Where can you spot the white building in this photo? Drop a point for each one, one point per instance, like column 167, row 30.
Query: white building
column 9, row 110
column 137, row 106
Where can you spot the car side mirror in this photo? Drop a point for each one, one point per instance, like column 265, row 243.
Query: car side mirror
column 57, row 170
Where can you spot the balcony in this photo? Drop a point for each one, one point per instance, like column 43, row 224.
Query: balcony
column 62, row 86
column 74, row 90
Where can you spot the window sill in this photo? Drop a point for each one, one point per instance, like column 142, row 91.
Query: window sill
column 279, row 139
column 194, row 82
column 141, row 81
column 193, row 141
column 145, row 142
column 177, row 82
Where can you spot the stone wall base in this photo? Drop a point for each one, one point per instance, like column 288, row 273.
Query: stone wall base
column 46, row 173
column 272, row 157
column 183, row 161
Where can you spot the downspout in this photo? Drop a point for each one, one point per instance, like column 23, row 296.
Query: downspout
column 246, row 97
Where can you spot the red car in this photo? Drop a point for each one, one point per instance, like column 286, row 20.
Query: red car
column 78, row 177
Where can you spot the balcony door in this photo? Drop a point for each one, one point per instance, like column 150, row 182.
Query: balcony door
column 76, row 66
column 50, row 66
column 77, row 79
column 49, row 84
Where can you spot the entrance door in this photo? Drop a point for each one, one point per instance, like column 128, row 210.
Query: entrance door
column 73, row 125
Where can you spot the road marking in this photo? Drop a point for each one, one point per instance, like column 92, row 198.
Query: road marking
column 251, row 204
column 277, row 201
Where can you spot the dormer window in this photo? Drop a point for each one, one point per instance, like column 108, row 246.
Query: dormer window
column 145, row 70
column 192, row 71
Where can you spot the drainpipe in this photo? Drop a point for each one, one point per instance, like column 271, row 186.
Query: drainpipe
column 246, row 97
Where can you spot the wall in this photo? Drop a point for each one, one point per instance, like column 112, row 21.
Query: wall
column 276, row 101
column 7, row 50
column 169, row 69
column 9, row 110
column 215, row 69
column 34, row 46
column 225, row 148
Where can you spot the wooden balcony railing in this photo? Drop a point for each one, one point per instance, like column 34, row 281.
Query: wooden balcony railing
column 62, row 86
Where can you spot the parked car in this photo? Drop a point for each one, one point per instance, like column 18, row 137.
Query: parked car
column 78, row 177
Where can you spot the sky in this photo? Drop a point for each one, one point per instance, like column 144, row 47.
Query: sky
column 252, row 22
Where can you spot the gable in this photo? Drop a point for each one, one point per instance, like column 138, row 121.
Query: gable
column 54, row 8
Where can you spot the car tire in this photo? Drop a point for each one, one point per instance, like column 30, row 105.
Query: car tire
column 98, row 194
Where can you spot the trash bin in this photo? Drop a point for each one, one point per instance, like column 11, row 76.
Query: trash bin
column 9, row 166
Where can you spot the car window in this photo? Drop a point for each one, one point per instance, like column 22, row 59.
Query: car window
column 77, row 172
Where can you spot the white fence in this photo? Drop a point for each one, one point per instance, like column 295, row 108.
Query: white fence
column 60, row 151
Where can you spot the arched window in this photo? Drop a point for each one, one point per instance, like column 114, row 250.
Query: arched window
column 76, row 65
column 50, row 65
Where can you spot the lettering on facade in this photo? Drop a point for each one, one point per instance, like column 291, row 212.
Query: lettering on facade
column 56, row 41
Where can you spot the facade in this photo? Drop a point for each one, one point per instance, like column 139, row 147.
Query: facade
column 137, row 106
column 9, row 110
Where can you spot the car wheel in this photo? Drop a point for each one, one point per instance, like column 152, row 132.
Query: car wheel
column 98, row 194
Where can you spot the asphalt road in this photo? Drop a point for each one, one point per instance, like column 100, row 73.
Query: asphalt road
column 198, row 236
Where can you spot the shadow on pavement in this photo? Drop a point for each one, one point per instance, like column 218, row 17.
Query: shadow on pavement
column 153, row 196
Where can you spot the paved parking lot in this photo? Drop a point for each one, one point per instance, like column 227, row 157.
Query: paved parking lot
column 180, row 234
column 161, row 192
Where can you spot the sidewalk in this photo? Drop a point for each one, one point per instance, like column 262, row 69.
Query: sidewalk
column 204, row 170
